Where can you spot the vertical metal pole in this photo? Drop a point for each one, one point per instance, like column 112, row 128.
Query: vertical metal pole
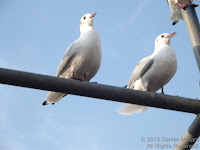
column 193, row 28
column 190, row 137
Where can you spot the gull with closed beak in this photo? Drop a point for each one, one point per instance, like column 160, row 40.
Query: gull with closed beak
column 82, row 58
column 153, row 72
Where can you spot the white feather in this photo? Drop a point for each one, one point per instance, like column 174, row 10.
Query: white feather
column 157, row 75
column 82, row 57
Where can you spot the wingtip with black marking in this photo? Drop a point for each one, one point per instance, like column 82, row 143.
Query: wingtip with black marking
column 175, row 22
column 125, row 86
column 44, row 103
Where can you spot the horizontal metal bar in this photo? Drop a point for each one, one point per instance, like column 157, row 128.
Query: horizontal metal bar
column 94, row 90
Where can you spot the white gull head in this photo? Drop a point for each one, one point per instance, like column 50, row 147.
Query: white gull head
column 163, row 40
column 86, row 22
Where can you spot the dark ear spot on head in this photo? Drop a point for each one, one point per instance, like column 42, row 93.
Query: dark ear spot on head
column 81, row 22
column 156, row 40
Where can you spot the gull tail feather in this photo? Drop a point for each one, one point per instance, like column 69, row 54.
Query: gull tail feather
column 53, row 97
column 129, row 109
column 175, row 15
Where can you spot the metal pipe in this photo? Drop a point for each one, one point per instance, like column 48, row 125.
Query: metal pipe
column 100, row 91
column 190, row 137
column 193, row 28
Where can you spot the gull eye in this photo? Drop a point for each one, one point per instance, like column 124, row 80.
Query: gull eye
column 84, row 17
column 162, row 36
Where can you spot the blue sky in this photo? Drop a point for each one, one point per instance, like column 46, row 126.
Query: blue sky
column 33, row 38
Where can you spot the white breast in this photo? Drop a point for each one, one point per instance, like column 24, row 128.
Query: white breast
column 162, row 70
column 88, row 58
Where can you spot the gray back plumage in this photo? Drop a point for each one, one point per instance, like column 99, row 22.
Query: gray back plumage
column 137, row 71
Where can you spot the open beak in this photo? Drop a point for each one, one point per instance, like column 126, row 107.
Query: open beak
column 171, row 35
column 92, row 16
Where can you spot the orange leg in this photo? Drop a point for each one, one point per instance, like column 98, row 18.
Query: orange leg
column 183, row 6
column 74, row 77
column 148, row 89
column 85, row 78
column 194, row 5
column 163, row 91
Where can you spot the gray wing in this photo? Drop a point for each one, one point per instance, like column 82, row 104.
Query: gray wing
column 65, row 63
column 146, row 67
column 137, row 71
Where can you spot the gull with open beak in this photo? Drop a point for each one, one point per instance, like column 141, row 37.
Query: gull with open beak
column 82, row 58
column 153, row 72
